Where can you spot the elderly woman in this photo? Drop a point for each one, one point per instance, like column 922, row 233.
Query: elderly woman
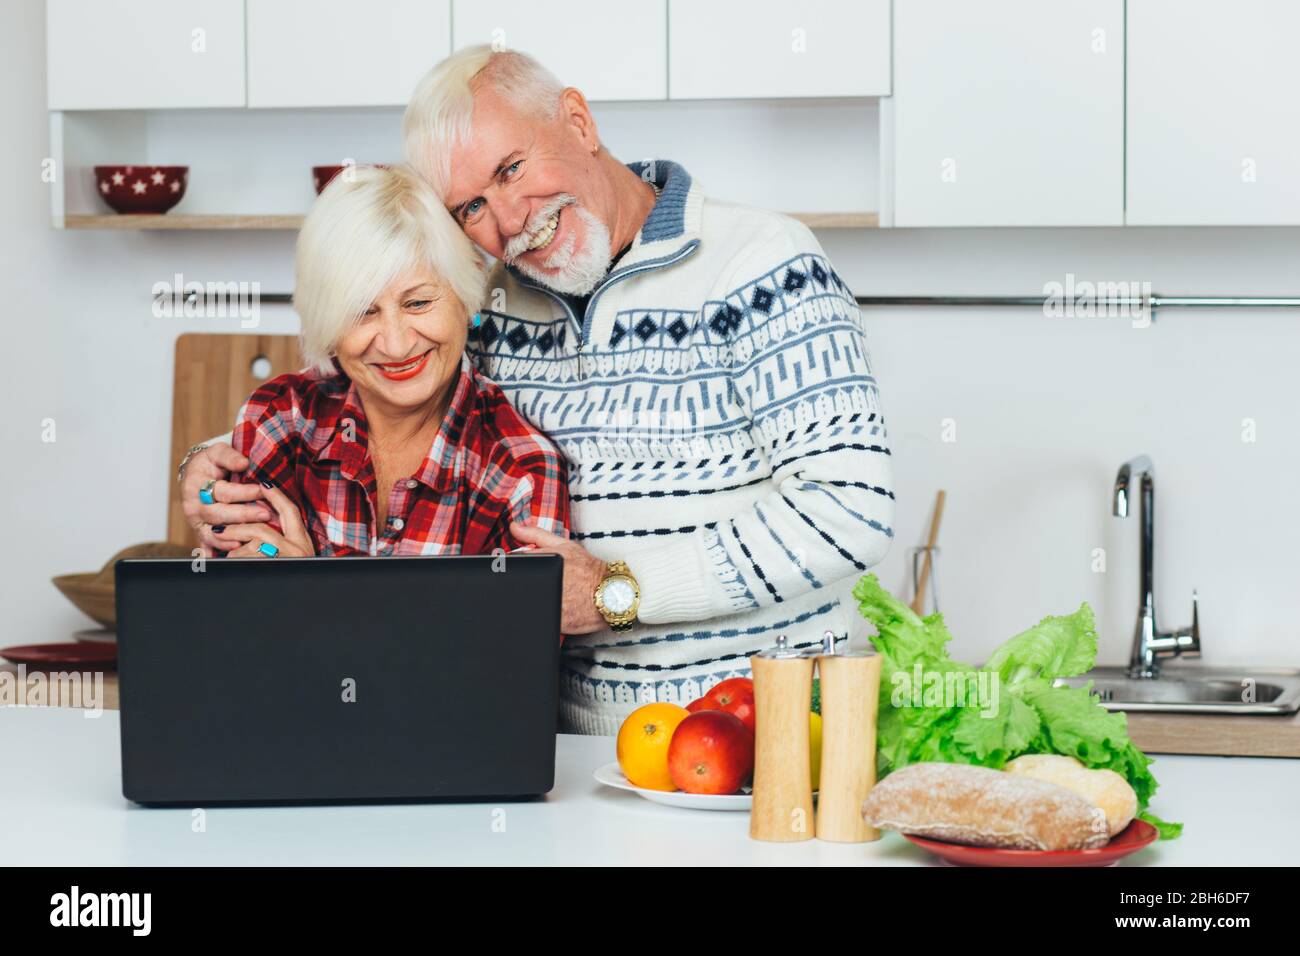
column 391, row 443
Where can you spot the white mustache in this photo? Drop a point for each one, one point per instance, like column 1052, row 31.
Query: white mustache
column 517, row 246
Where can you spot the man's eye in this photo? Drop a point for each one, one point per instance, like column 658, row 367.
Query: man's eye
column 513, row 168
column 472, row 208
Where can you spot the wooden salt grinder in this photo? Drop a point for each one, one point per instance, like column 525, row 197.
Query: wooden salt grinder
column 850, row 689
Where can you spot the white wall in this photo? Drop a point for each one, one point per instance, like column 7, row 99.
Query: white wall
column 1045, row 409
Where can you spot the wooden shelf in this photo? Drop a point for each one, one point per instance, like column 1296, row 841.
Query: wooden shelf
column 838, row 220
column 814, row 220
column 181, row 221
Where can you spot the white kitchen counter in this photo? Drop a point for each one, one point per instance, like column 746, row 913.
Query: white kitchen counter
column 60, row 791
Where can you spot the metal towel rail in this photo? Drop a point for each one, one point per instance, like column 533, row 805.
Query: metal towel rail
column 1150, row 303
column 1147, row 303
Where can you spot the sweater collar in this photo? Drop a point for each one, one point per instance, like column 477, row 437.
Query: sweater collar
column 675, row 218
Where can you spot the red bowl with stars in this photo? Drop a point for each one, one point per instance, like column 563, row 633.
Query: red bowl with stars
column 141, row 189
column 321, row 176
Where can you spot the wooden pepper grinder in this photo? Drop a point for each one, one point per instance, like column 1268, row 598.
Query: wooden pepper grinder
column 782, row 809
column 850, row 691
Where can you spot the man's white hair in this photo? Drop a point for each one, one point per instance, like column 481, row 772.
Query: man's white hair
column 441, row 109
column 368, row 226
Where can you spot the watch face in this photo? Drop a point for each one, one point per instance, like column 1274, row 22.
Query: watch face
column 618, row 595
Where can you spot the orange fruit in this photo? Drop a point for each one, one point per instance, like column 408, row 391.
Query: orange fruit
column 642, row 747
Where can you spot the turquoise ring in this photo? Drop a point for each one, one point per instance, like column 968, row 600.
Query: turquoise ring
column 268, row 549
column 205, row 493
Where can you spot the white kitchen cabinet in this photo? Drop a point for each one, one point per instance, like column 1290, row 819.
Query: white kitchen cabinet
column 765, row 49
column 144, row 54
column 1006, row 113
column 609, row 49
column 341, row 53
column 1213, row 114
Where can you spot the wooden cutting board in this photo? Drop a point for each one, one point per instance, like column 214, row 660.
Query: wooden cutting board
column 213, row 376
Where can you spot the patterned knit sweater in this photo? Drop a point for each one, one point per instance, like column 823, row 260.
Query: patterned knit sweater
column 722, row 425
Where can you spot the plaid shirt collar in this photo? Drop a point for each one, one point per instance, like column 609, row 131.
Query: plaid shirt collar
column 442, row 465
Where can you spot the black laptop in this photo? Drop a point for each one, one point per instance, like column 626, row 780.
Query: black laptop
column 338, row 679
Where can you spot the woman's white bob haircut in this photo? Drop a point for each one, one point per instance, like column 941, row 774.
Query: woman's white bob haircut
column 441, row 109
column 367, row 227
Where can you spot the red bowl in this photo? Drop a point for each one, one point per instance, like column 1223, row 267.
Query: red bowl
column 141, row 189
column 321, row 175
column 1132, row 838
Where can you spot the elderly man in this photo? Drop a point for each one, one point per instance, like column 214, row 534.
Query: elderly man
column 701, row 365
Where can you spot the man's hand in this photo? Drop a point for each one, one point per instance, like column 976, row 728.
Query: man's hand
column 293, row 542
column 582, row 573
column 236, row 504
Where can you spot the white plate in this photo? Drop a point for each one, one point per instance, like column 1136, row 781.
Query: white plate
column 611, row 776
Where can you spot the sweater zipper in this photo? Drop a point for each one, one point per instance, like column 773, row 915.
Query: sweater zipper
column 582, row 328
column 573, row 319
column 626, row 273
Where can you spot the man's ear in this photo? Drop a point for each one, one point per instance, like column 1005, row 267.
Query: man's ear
column 578, row 119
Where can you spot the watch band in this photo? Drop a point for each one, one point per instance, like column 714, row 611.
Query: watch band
column 621, row 621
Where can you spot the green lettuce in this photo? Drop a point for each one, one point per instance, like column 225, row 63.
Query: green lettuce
column 1031, row 715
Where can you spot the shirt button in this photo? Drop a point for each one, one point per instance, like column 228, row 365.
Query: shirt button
column 398, row 524
column 411, row 483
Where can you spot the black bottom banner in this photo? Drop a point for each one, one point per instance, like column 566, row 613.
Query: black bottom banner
column 332, row 905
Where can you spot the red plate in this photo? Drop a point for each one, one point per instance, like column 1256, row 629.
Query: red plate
column 78, row 654
column 1132, row 838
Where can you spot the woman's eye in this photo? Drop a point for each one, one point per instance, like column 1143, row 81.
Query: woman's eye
column 418, row 303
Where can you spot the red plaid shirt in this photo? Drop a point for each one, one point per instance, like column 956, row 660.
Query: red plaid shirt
column 306, row 434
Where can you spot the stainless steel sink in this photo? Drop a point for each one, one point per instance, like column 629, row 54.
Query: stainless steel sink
column 1148, row 683
column 1197, row 690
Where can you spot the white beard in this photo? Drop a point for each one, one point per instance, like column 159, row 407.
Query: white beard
column 571, row 271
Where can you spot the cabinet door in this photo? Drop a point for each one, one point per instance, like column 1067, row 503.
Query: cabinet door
column 144, row 54
column 341, row 53
column 1008, row 113
column 609, row 49
column 1213, row 113
column 765, row 49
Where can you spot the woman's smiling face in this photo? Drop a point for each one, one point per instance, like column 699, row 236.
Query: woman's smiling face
column 406, row 348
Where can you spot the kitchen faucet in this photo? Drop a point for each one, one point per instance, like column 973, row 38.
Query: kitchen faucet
column 1149, row 643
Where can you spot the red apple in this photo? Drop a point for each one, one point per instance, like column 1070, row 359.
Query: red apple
column 700, row 703
column 735, row 696
column 711, row 752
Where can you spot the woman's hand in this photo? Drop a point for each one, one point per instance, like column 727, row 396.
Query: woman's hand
column 235, row 503
column 293, row 542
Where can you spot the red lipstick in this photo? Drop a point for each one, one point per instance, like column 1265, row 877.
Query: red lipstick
column 401, row 371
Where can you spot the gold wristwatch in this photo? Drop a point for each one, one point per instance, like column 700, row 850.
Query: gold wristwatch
column 618, row 597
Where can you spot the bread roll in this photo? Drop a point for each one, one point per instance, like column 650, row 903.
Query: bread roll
column 1104, row 788
column 982, row 807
